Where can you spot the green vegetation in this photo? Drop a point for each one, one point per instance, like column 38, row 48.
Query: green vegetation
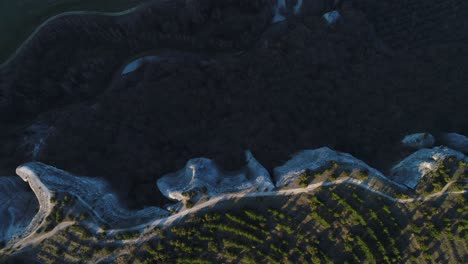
column 306, row 178
column 81, row 231
column 60, row 211
column 189, row 204
column 330, row 171
column 450, row 170
column 337, row 224
column 20, row 18
column 361, row 174
column 127, row 235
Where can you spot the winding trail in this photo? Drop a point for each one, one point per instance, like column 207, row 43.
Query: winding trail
column 37, row 239
column 168, row 221
column 146, row 229
column 45, row 188
column 146, row 234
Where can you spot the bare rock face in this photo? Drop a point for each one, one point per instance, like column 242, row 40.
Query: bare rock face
column 419, row 164
column 419, row 140
column 455, row 141
column 135, row 64
column 18, row 205
column 316, row 159
column 332, row 17
column 203, row 176
column 94, row 194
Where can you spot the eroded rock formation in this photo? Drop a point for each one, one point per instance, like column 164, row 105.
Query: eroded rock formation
column 419, row 164
column 94, row 194
column 317, row 159
column 419, row 140
column 203, row 176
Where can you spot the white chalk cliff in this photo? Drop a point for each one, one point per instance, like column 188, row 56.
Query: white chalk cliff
column 93, row 193
column 316, row 159
column 202, row 175
column 22, row 214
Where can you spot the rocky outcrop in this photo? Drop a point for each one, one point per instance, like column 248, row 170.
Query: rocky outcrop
column 93, row 193
column 317, row 159
column 43, row 196
column 455, row 141
column 18, row 205
column 203, row 176
column 332, row 17
column 137, row 63
column 421, row 163
column 419, row 140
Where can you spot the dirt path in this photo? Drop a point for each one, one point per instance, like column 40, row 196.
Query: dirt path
column 146, row 228
column 164, row 222
column 35, row 239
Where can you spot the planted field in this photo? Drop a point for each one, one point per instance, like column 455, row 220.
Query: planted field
column 343, row 222
column 334, row 224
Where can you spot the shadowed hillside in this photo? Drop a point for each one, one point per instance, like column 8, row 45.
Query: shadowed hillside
column 230, row 81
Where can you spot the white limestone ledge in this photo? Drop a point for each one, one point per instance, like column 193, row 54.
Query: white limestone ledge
column 94, row 193
column 316, row 159
column 412, row 169
column 203, row 176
